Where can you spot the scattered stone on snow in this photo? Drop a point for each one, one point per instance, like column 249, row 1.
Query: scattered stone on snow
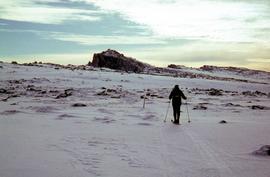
column 10, row 96
column 263, row 151
column 116, row 96
column 215, row 92
column 223, row 122
column 257, row 107
column 67, row 92
column 254, row 94
column 78, row 105
column 102, row 93
column 231, row 104
column 10, row 112
column 199, row 107
column 3, row 90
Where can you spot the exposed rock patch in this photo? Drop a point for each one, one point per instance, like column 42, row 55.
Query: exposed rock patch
column 215, row 92
column 264, row 151
column 3, row 90
column 113, row 93
column 78, row 105
column 200, row 107
column 14, row 62
column 115, row 60
column 10, row 112
column 176, row 66
column 10, row 96
column 232, row 105
column 223, row 122
column 67, row 92
column 258, row 107
column 254, row 94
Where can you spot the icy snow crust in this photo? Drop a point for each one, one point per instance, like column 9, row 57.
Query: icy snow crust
column 43, row 134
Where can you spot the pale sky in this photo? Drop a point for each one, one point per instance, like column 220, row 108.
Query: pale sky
column 159, row 32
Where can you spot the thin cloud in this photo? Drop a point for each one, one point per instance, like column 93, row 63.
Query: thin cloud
column 260, row 60
column 194, row 19
column 93, row 40
column 34, row 12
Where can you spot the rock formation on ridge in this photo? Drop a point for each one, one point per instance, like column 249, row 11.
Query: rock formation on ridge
column 115, row 60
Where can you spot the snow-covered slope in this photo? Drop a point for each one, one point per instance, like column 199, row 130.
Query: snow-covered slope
column 215, row 73
column 67, row 122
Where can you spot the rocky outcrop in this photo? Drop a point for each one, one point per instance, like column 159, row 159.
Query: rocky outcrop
column 115, row 60
column 176, row 66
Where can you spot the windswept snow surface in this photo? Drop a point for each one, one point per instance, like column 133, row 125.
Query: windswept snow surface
column 113, row 136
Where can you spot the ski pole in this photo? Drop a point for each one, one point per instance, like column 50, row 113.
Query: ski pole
column 167, row 111
column 188, row 113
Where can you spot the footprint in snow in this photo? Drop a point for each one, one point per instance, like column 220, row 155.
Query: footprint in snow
column 150, row 117
column 102, row 110
column 144, row 124
column 105, row 120
column 64, row 116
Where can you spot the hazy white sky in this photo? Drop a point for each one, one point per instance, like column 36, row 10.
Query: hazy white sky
column 160, row 32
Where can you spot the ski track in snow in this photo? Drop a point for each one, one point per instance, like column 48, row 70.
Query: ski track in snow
column 167, row 162
column 215, row 164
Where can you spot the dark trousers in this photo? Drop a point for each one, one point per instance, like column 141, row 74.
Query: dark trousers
column 176, row 112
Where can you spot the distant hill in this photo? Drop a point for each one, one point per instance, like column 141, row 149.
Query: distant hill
column 114, row 60
column 239, row 70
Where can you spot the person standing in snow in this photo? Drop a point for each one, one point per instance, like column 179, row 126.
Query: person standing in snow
column 176, row 96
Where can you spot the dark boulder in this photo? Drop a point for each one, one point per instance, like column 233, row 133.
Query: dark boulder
column 78, row 105
column 14, row 62
column 115, row 60
column 257, row 107
column 223, row 122
column 264, row 151
column 3, row 90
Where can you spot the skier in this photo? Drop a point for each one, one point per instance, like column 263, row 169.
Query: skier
column 176, row 96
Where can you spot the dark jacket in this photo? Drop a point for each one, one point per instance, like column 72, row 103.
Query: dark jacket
column 176, row 95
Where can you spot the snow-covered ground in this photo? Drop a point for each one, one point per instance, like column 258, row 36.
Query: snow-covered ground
column 43, row 134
